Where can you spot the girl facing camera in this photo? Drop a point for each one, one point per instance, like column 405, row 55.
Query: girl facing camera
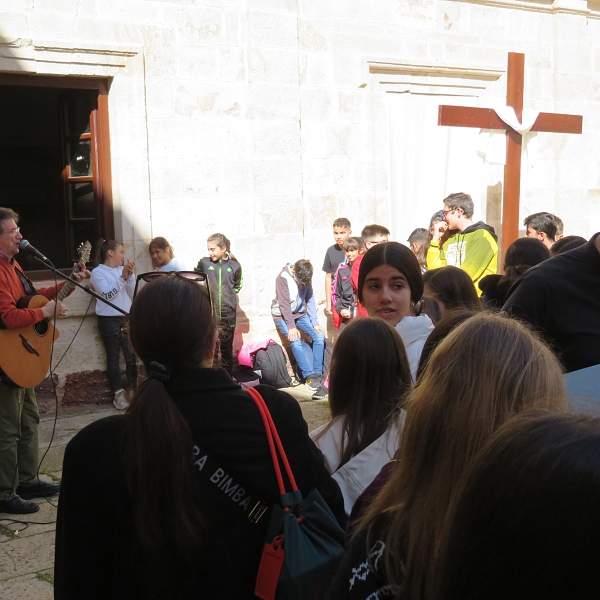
column 390, row 284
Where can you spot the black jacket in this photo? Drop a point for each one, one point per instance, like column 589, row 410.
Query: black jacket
column 560, row 297
column 225, row 281
column 94, row 535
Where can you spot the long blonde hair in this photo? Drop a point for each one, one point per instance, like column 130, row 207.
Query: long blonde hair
column 487, row 370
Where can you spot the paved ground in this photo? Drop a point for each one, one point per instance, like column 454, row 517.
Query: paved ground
column 27, row 551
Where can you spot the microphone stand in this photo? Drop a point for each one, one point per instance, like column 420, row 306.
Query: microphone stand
column 88, row 290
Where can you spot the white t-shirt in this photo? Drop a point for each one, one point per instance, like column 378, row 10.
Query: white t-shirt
column 107, row 281
column 175, row 264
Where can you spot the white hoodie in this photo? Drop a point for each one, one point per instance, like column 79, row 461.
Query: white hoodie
column 107, row 281
column 414, row 332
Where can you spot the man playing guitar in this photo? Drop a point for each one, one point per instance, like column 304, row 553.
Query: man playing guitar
column 19, row 417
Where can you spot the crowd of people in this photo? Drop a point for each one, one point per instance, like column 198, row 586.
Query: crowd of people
column 450, row 458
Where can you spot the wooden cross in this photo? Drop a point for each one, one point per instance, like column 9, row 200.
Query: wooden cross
column 486, row 118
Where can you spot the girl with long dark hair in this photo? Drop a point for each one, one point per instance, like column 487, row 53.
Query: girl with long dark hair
column 368, row 378
column 163, row 502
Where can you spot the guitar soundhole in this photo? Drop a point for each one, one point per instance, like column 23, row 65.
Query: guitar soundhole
column 41, row 328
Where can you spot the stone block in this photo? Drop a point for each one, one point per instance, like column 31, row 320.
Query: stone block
column 573, row 85
column 270, row 101
column 232, row 64
column 235, row 27
column 277, row 177
column 459, row 17
column 198, row 62
column 574, row 57
column 159, row 98
column 195, row 100
column 315, row 70
column 318, row 104
column 322, row 211
column 273, row 29
column 166, row 179
column 201, row 178
column 14, row 23
column 314, row 139
column 67, row 7
column 272, row 65
column 313, row 35
column 281, row 214
column 27, row 587
column 323, row 177
column 236, row 178
column 196, row 26
column 23, row 556
column 275, row 138
column 130, row 137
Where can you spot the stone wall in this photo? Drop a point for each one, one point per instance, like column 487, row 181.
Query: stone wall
column 266, row 119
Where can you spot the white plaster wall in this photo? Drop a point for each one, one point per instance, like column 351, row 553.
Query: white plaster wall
column 258, row 119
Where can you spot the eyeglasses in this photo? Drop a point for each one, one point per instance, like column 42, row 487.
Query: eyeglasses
column 13, row 231
column 200, row 278
column 447, row 212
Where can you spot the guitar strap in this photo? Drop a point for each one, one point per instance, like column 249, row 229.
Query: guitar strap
column 26, row 283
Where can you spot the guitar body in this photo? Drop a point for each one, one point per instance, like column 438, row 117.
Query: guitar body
column 25, row 352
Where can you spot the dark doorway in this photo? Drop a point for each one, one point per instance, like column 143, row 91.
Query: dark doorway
column 51, row 168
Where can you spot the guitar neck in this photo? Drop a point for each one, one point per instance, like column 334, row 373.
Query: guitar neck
column 68, row 285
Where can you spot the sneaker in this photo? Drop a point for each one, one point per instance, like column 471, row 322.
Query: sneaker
column 313, row 381
column 321, row 393
column 120, row 400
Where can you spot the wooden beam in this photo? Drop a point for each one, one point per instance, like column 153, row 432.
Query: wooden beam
column 514, row 142
column 486, row 118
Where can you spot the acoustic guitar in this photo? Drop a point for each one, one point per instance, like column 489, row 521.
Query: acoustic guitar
column 25, row 352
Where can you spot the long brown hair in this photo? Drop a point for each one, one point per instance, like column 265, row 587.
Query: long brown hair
column 171, row 325
column 368, row 378
column 453, row 287
column 486, row 370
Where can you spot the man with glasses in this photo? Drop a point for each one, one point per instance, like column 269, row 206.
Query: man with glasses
column 473, row 247
column 19, row 417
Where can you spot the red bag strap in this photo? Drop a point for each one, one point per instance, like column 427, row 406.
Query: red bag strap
column 275, row 445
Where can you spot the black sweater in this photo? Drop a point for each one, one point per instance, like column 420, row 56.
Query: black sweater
column 94, row 534
column 561, row 298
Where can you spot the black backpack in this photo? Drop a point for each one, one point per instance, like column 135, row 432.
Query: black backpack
column 271, row 366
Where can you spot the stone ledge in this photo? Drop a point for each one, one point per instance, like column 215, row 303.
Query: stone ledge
column 27, row 55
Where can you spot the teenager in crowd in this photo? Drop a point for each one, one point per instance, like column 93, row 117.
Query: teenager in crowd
column 486, row 370
column 368, row 378
column 452, row 289
column 473, row 247
column 156, row 503
column 224, row 274
column 564, row 244
column 520, row 256
column 525, row 525
column 390, row 284
column 334, row 257
column 544, row 226
column 163, row 257
column 418, row 242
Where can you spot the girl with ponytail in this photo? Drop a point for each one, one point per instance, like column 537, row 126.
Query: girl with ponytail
column 156, row 503
column 114, row 279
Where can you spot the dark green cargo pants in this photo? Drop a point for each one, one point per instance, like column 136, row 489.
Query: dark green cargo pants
column 19, row 420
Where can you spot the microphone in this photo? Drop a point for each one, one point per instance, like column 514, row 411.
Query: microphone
column 27, row 247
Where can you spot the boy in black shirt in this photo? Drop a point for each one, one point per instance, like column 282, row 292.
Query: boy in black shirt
column 335, row 256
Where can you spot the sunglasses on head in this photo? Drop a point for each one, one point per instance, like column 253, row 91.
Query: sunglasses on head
column 200, row 278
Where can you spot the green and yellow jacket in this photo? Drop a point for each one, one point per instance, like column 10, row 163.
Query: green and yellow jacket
column 225, row 281
column 474, row 250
